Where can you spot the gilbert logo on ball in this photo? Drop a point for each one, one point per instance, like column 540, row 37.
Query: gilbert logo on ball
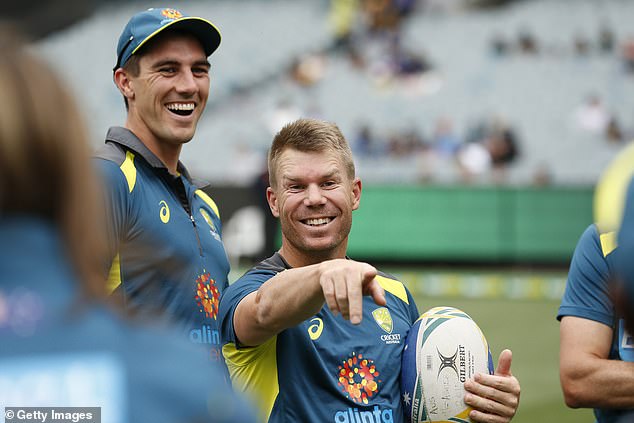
column 444, row 348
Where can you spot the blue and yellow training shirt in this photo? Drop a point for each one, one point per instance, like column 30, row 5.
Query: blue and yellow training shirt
column 324, row 369
column 164, row 239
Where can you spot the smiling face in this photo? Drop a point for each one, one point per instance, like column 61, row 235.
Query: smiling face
column 313, row 197
column 169, row 94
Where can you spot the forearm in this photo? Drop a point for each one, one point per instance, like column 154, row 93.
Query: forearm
column 283, row 301
column 598, row 383
column 289, row 298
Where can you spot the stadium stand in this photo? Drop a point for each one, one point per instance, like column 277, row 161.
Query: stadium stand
column 534, row 93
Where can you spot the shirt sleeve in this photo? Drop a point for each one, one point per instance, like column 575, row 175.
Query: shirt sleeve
column 116, row 195
column 250, row 282
column 587, row 291
column 412, row 308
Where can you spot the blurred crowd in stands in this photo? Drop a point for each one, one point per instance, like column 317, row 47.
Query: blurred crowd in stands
column 487, row 148
column 369, row 34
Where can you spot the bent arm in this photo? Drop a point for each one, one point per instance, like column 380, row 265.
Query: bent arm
column 294, row 295
column 588, row 378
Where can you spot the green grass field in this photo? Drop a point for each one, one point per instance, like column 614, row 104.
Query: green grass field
column 530, row 330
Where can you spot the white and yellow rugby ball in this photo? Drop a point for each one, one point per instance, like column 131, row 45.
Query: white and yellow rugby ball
column 443, row 349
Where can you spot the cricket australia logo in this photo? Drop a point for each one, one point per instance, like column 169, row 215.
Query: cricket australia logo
column 447, row 362
column 171, row 13
column 383, row 318
column 212, row 228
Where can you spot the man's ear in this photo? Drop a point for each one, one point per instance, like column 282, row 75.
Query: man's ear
column 272, row 199
column 124, row 83
column 356, row 193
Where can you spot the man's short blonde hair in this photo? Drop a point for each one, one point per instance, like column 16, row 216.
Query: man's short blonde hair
column 310, row 135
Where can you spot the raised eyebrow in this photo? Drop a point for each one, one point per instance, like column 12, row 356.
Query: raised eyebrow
column 294, row 180
column 167, row 62
column 203, row 63
column 171, row 62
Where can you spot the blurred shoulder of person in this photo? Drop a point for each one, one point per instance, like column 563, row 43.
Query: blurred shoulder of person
column 62, row 344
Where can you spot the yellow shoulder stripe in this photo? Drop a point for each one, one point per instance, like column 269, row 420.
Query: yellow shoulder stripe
column 253, row 372
column 395, row 288
column 608, row 242
column 128, row 169
column 207, row 199
column 114, row 276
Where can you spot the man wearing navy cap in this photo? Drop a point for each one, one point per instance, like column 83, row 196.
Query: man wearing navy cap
column 166, row 254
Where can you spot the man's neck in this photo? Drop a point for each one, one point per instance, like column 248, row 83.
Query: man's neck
column 167, row 153
column 300, row 259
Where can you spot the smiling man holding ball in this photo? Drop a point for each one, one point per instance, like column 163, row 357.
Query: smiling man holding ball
column 311, row 335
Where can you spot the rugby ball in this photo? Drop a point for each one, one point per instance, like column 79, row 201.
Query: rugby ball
column 444, row 348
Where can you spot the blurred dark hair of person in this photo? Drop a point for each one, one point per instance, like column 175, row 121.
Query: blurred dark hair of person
column 62, row 346
column 613, row 131
column 44, row 168
column 623, row 287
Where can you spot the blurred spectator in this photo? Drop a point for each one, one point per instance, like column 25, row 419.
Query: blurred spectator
column 492, row 148
column 62, row 345
column 308, row 69
column 474, row 160
column 382, row 16
column 613, row 131
column 499, row 45
column 283, row 112
column 342, row 17
column 502, row 145
column 444, row 141
column 543, row 176
column 527, row 42
column 606, row 39
column 591, row 115
column 581, row 45
column 627, row 55
column 364, row 144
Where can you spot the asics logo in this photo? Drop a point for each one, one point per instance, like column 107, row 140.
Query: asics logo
column 314, row 330
column 164, row 213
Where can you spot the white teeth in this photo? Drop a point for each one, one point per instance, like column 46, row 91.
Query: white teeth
column 320, row 221
column 181, row 106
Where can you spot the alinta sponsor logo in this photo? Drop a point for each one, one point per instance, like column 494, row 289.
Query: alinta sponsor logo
column 207, row 295
column 358, row 378
column 205, row 335
column 354, row 415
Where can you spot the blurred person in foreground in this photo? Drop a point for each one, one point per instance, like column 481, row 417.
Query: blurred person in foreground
column 596, row 358
column 623, row 289
column 61, row 345
column 166, row 255
column 299, row 322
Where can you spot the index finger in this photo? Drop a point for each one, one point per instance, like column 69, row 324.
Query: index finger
column 355, row 301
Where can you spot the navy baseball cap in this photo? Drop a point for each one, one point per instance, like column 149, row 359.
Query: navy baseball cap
column 143, row 26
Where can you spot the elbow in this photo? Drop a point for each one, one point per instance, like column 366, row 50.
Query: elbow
column 572, row 398
column 575, row 393
column 263, row 316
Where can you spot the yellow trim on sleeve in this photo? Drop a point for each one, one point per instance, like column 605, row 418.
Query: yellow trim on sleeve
column 114, row 276
column 394, row 287
column 608, row 242
column 253, row 371
column 128, row 169
column 207, row 199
